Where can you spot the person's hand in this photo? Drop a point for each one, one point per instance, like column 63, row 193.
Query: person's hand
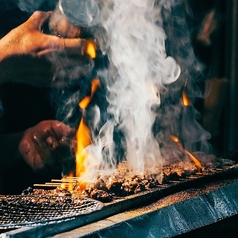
column 28, row 39
column 27, row 54
column 46, row 145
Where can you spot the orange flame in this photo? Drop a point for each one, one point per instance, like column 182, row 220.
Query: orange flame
column 175, row 139
column 195, row 161
column 192, row 157
column 91, row 49
column 83, row 135
column 185, row 99
column 83, row 140
column 69, row 185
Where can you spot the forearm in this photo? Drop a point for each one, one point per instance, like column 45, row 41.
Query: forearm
column 9, row 152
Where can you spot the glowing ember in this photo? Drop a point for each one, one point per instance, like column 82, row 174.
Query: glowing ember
column 83, row 135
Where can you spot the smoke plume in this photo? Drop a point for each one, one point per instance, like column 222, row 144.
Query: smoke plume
column 150, row 63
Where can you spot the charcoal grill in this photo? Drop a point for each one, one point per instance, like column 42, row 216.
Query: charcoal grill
column 194, row 186
column 29, row 210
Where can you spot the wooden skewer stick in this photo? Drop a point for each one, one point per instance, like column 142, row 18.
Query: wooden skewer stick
column 62, row 181
column 45, row 185
column 65, row 179
column 53, row 185
column 57, row 184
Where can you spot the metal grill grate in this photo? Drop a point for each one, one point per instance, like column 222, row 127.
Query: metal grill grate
column 25, row 210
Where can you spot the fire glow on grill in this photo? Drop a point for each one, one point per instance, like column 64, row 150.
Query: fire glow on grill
column 83, row 135
column 186, row 102
column 192, row 157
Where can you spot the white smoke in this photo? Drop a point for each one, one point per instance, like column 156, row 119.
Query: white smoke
column 139, row 69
